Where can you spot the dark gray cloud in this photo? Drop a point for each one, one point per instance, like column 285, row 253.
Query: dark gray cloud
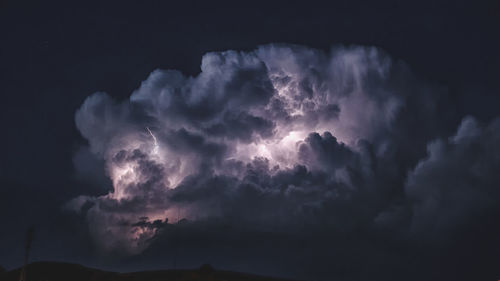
column 458, row 180
column 336, row 160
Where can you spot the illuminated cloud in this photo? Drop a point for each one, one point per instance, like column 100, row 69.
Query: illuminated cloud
column 276, row 138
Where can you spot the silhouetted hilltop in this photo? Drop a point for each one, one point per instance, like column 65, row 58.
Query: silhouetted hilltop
column 56, row 271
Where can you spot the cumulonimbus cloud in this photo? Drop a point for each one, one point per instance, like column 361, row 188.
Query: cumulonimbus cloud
column 278, row 138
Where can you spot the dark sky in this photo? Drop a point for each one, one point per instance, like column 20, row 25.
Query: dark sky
column 433, row 208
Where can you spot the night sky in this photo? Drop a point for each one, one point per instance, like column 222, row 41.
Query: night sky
column 349, row 141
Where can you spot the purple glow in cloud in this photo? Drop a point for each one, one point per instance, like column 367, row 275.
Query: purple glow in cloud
column 275, row 136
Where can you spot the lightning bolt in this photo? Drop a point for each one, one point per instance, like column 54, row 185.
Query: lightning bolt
column 155, row 141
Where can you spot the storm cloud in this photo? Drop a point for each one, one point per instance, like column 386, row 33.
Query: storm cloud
column 324, row 147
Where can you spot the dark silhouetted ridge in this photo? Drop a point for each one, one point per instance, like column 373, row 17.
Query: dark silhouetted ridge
column 56, row 271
